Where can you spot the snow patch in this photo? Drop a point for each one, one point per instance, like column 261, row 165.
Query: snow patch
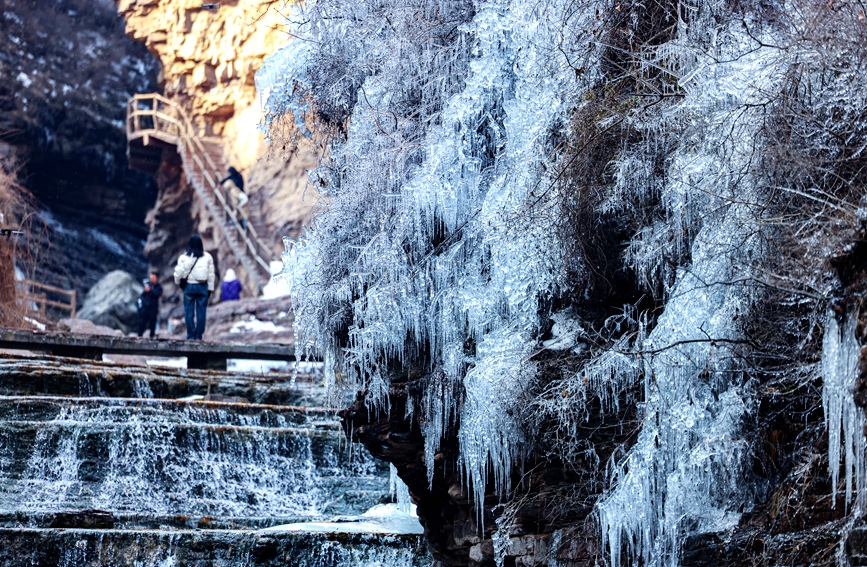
column 254, row 325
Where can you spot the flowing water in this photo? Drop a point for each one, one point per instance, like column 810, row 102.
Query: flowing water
column 181, row 482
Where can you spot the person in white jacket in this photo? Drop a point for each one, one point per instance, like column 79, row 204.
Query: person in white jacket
column 197, row 267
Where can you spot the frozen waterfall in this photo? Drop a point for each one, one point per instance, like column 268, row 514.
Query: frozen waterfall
column 439, row 243
column 843, row 419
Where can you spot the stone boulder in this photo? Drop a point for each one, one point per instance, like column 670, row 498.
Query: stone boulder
column 84, row 327
column 112, row 302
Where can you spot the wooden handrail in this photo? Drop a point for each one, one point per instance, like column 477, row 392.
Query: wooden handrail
column 37, row 293
column 172, row 124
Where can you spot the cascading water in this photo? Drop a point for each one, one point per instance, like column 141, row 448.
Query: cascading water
column 168, row 458
column 181, row 482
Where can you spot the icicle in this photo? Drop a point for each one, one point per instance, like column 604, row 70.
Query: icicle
column 843, row 419
column 426, row 244
column 501, row 536
column 686, row 472
column 398, row 489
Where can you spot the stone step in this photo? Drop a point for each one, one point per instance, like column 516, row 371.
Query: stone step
column 20, row 547
column 125, row 520
column 115, row 519
column 236, row 509
column 111, row 411
column 58, row 376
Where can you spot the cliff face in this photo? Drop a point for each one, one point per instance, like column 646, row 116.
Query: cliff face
column 66, row 70
column 209, row 58
column 581, row 296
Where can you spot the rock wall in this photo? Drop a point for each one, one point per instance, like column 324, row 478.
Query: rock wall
column 66, row 71
column 209, row 58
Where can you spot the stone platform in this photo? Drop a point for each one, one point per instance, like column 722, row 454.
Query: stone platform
column 205, row 548
column 199, row 354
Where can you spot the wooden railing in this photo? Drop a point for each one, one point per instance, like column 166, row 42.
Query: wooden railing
column 155, row 116
column 35, row 293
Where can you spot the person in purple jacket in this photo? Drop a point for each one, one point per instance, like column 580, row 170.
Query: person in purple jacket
column 231, row 287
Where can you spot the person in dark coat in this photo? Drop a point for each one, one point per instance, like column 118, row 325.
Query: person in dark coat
column 150, row 305
column 230, row 289
column 236, row 178
column 237, row 196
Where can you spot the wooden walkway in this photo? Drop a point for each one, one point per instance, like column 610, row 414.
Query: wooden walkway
column 154, row 122
column 200, row 354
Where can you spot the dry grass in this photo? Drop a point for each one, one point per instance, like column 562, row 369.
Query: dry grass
column 15, row 211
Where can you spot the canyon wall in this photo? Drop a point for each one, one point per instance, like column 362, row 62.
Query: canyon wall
column 208, row 59
column 66, row 71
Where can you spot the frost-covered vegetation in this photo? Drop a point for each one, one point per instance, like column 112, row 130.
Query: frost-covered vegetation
column 650, row 187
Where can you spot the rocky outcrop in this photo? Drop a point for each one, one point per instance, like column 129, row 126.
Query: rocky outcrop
column 550, row 513
column 549, row 525
column 66, row 70
column 247, row 320
column 75, row 253
column 209, row 58
column 80, row 326
column 112, row 302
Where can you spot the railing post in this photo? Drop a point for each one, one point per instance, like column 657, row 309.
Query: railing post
column 136, row 117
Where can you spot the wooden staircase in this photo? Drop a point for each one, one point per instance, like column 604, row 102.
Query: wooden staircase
column 155, row 122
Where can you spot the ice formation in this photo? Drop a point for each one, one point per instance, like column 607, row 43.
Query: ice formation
column 436, row 244
column 843, row 419
column 398, row 489
column 428, row 244
column 684, row 475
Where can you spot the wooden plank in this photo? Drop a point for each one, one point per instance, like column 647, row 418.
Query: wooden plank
column 205, row 353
